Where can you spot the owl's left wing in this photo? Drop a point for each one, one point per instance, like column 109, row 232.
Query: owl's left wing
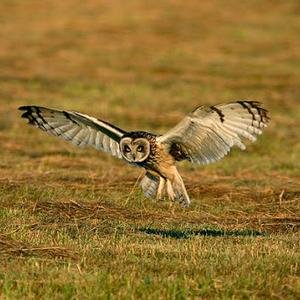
column 79, row 129
column 208, row 133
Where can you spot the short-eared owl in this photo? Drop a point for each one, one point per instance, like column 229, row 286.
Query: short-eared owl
column 203, row 136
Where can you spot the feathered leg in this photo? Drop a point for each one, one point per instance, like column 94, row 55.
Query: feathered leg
column 181, row 193
column 160, row 190
column 170, row 190
column 176, row 189
column 155, row 186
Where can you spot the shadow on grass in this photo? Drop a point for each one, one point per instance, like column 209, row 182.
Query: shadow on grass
column 185, row 234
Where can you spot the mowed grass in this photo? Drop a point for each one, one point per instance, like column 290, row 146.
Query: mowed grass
column 74, row 223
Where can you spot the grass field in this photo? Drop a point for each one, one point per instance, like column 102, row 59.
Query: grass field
column 73, row 224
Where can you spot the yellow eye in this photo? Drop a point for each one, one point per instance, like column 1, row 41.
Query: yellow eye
column 140, row 148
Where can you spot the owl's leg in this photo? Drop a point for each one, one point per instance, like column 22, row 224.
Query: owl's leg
column 170, row 191
column 181, row 193
column 160, row 189
column 178, row 188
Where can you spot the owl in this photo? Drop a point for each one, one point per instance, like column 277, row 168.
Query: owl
column 204, row 136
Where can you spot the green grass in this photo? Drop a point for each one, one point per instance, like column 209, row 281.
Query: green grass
column 73, row 225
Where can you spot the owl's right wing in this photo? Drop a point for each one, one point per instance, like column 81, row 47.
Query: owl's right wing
column 208, row 133
column 79, row 129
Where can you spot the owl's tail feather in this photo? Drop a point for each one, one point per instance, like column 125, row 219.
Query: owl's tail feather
column 149, row 185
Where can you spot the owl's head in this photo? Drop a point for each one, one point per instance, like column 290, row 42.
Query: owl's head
column 135, row 150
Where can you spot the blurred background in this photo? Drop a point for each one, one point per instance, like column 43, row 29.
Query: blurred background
column 71, row 219
column 145, row 64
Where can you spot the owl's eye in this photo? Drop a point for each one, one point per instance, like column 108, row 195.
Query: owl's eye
column 140, row 148
column 126, row 148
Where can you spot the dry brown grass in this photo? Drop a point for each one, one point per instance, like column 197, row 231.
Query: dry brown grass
column 73, row 225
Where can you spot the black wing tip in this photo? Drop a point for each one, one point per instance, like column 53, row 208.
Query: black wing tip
column 27, row 111
column 25, row 114
column 263, row 112
column 254, row 104
column 23, row 107
column 26, row 107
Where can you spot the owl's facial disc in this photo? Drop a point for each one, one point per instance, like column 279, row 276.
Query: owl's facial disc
column 135, row 150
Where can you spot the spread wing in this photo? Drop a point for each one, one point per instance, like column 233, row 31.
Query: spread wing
column 79, row 129
column 208, row 133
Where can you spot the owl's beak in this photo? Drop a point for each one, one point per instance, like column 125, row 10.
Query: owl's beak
column 133, row 157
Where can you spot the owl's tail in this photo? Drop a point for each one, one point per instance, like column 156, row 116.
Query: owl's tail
column 154, row 186
column 149, row 185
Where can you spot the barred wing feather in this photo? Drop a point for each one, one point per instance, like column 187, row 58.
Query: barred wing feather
column 79, row 129
column 208, row 133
